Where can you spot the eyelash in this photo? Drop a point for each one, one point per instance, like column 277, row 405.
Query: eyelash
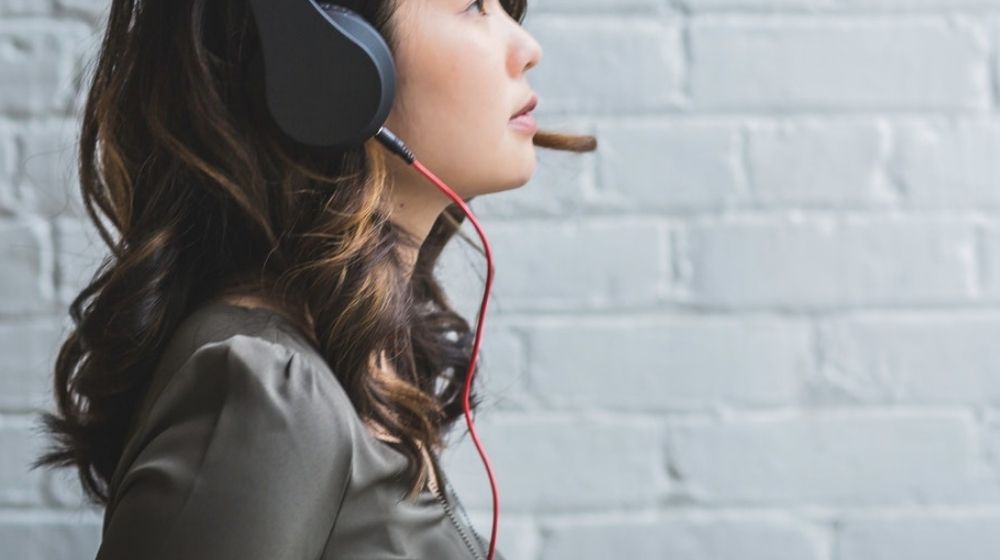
column 480, row 5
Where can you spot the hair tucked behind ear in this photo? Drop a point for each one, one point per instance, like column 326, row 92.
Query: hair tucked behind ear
column 204, row 196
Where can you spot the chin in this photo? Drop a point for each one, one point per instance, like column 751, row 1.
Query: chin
column 505, row 183
column 513, row 172
column 520, row 180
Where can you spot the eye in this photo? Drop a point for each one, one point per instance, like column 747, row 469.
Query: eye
column 479, row 5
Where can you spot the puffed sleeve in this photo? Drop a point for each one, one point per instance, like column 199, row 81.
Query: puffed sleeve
column 246, row 455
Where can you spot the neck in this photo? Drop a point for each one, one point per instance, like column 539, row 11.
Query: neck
column 416, row 205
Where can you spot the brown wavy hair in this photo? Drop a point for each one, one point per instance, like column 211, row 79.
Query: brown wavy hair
column 178, row 153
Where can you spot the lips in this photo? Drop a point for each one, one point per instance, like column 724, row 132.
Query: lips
column 527, row 108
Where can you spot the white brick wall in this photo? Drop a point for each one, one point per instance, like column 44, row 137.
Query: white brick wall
column 759, row 323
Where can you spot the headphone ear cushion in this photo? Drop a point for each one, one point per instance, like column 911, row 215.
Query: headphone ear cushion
column 329, row 75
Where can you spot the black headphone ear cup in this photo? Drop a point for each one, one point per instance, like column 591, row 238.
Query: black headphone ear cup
column 329, row 77
column 259, row 111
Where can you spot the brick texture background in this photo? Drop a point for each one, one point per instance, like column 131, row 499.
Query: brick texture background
column 761, row 322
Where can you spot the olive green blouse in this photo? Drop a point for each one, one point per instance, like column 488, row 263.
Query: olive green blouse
column 247, row 447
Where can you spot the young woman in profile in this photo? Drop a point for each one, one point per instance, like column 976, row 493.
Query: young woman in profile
column 265, row 366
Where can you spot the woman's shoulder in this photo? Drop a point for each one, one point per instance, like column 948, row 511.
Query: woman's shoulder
column 244, row 363
column 219, row 344
column 220, row 323
column 243, row 422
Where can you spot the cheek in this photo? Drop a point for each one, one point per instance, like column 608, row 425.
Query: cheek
column 467, row 89
column 459, row 103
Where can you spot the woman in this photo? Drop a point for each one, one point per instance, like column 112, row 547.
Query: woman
column 265, row 365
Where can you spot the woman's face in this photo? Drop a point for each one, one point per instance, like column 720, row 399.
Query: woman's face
column 460, row 79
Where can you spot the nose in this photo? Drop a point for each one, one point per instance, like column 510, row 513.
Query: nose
column 529, row 52
column 535, row 50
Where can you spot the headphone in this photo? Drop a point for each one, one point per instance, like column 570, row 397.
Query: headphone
column 330, row 81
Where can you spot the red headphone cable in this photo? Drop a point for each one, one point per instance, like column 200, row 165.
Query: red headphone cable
column 396, row 146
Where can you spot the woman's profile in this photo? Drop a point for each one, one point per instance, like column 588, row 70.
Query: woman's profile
column 265, row 365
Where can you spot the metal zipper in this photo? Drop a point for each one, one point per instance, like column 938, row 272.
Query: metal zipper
column 483, row 543
column 454, row 520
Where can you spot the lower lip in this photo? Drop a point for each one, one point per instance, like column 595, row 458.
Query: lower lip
column 525, row 123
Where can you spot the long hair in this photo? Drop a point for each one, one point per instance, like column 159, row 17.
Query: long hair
column 203, row 196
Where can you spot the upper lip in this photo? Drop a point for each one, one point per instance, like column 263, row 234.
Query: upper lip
column 530, row 105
